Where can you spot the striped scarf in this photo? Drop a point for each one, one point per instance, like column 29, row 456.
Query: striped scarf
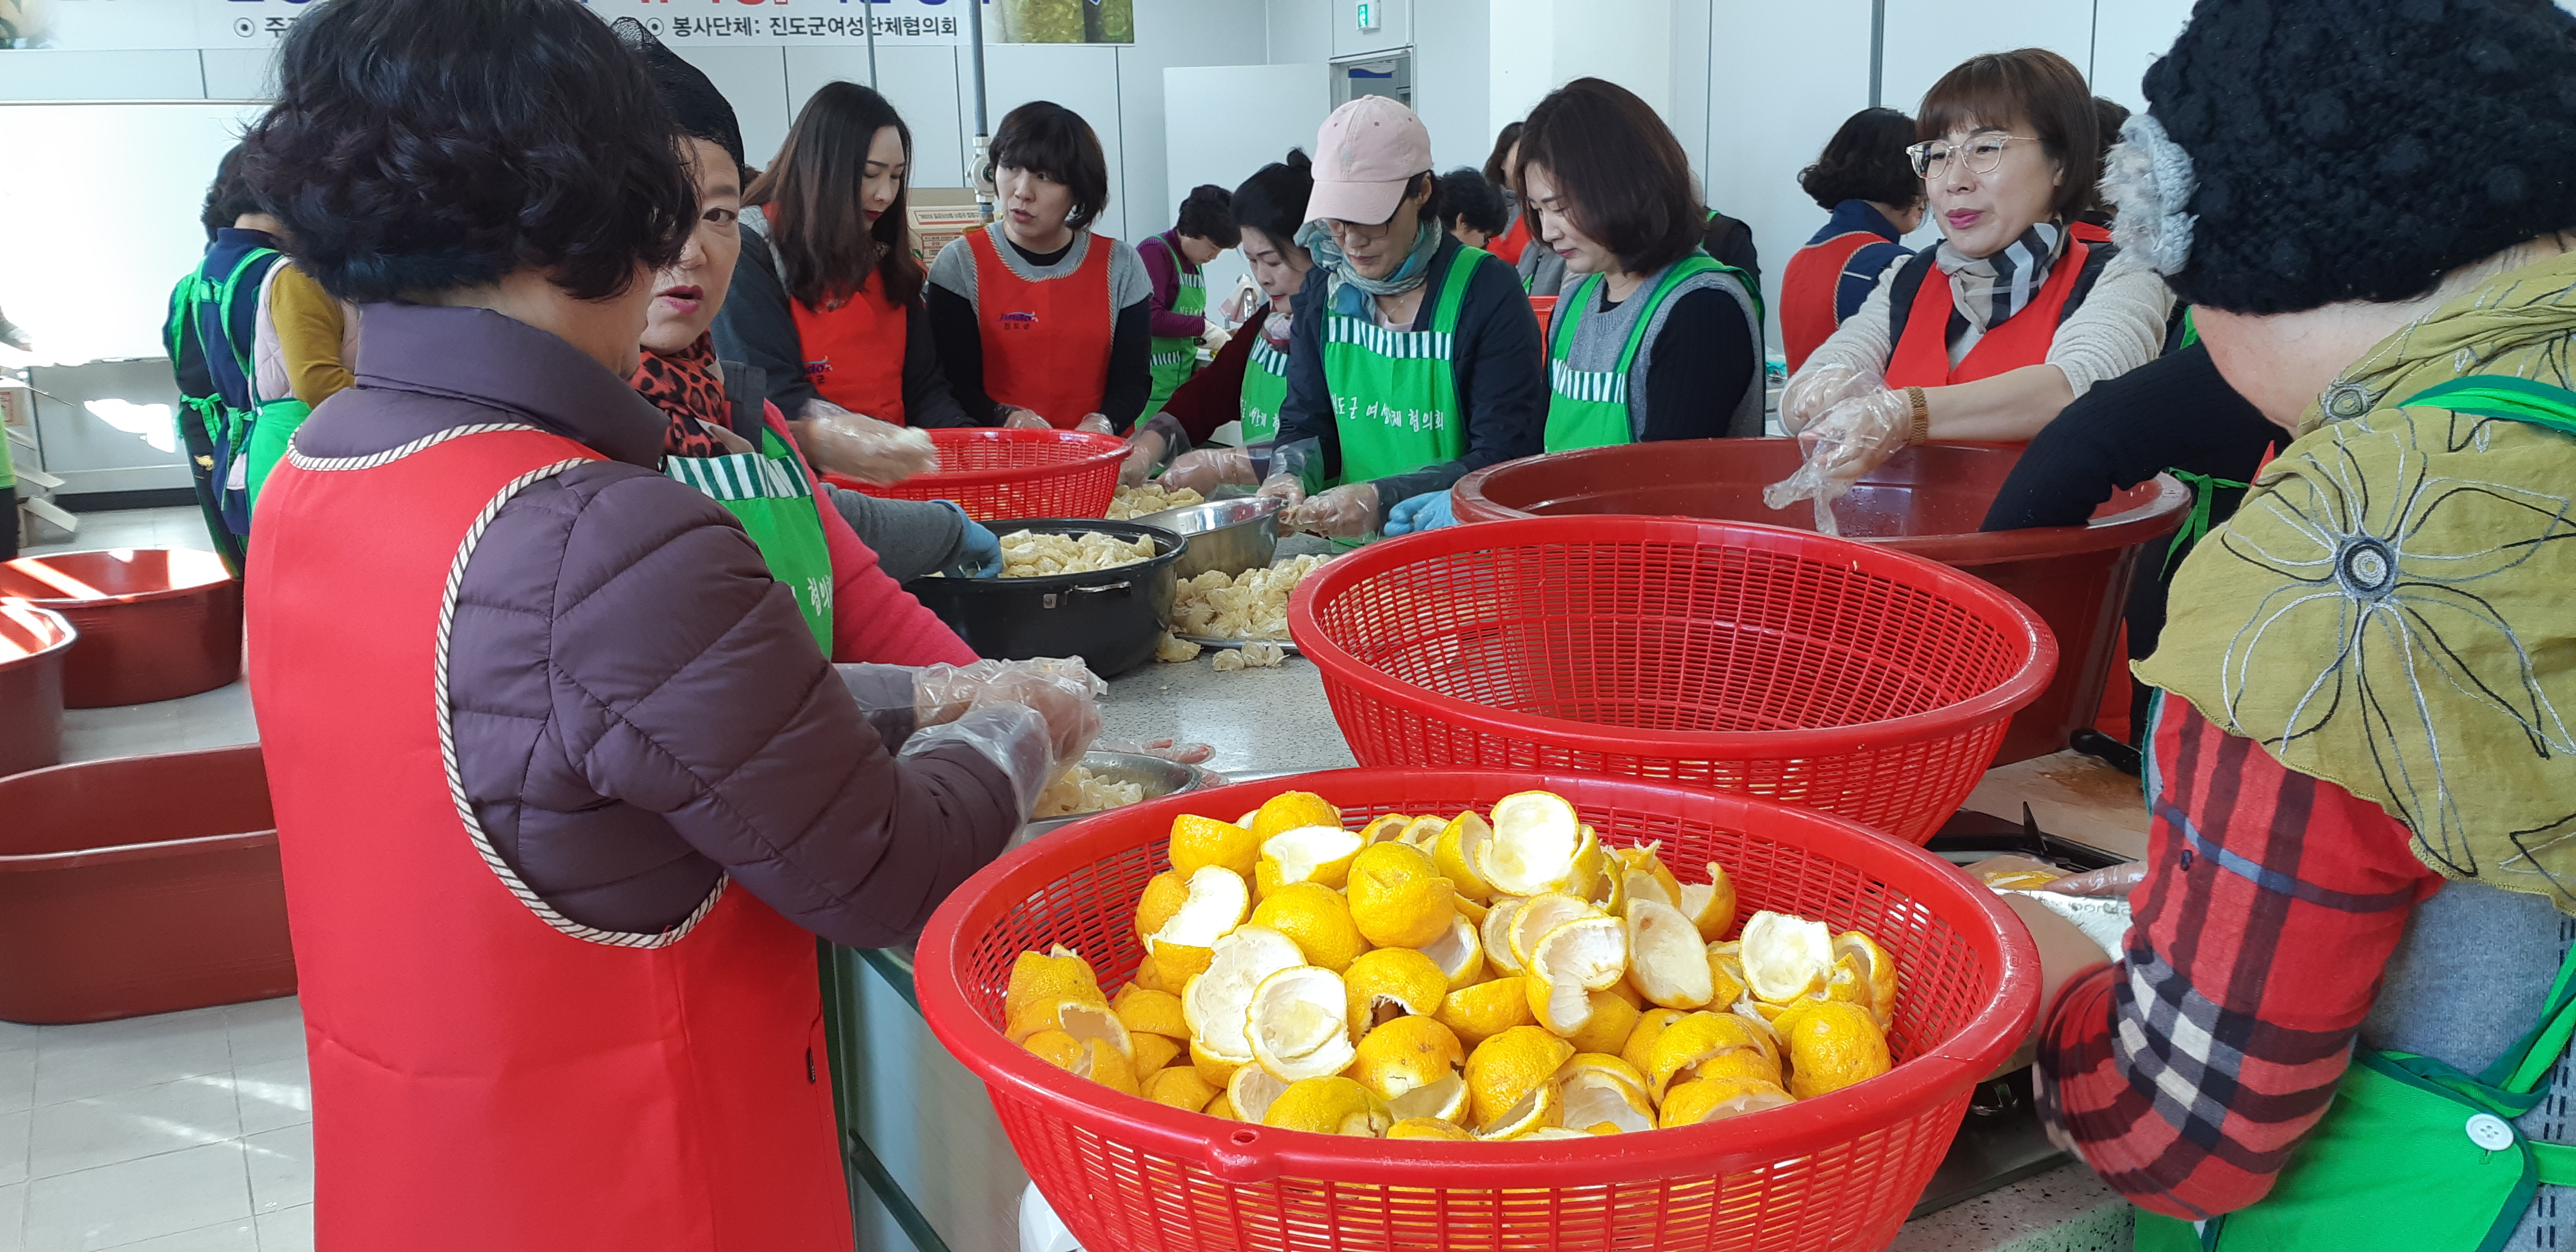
column 1989, row 290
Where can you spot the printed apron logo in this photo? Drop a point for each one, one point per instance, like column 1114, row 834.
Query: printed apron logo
column 1019, row 321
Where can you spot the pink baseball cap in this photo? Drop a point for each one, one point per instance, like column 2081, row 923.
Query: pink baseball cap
column 1364, row 155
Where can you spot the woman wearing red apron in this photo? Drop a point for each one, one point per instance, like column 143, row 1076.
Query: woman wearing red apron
column 1864, row 179
column 1041, row 321
column 2009, row 318
column 564, row 785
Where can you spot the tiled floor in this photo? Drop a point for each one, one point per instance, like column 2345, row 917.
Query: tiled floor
column 188, row 1132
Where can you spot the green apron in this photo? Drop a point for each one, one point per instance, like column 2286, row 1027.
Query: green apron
column 1265, row 388
column 1176, row 359
column 1395, row 399
column 2409, row 1145
column 229, row 431
column 767, row 492
column 1589, row 408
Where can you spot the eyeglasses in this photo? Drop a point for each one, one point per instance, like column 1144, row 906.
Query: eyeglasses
column 1982, row 154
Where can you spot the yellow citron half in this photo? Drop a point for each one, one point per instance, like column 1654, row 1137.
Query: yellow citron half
column 1478, row 1013
column 1202, row 841
column 1536, row 837
column 1877, row 972
column 1059, row 975
column 1715, row 1099
column 1455, row 852
column 1319, row 919
column 1785, row 957
column 1710, row 905
column 1667, row 961
column 1300, row 1025
column 1389, row 983
column 1316, row 854
column 1328, row 1105
column 1289, row 810
column 1218, row 1004
column 1251, row 1090
column 1460, row 954
column 1179, row 1087
column 1427, row 1128
column 1831, row 1044
column 1164, row 895
column 1506, row 1069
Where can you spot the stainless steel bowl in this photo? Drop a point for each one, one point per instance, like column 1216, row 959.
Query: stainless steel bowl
column 1157, row 776
column 1229, row 536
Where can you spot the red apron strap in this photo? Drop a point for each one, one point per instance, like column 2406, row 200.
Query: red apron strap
column 1922, row 355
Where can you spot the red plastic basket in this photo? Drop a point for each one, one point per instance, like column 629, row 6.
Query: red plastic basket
column 996, row 474
column 1837, row 1171
column 1836, row 675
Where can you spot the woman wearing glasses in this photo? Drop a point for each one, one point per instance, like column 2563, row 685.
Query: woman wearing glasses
column 1414, row 359
column 1987, row 336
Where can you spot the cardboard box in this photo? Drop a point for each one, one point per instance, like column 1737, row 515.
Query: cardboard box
column 940, row 214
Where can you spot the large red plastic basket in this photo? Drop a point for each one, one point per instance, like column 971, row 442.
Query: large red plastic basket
column 1837, row 1171
column 995, row 473
column 1826, row 673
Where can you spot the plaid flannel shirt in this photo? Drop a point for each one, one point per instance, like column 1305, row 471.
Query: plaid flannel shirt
column 2187, row 1073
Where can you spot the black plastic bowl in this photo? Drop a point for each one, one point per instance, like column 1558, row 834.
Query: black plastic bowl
column 1110, row 618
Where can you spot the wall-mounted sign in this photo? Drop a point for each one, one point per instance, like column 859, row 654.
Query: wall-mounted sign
column 142, row 24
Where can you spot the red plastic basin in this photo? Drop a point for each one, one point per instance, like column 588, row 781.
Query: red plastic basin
column 141, row 884
column 33, row 642
column 155, row 623
column 1928, row 501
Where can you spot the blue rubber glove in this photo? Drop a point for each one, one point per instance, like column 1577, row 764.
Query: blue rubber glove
column 1428, row 511
column 979, row 554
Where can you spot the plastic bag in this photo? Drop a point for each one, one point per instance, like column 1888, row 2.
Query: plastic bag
column 857, row 446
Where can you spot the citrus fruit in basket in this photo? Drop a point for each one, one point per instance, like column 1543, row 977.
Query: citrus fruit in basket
column 1484, row 976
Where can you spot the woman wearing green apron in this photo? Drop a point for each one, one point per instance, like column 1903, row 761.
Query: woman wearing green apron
column 1416, row 359
column 1269, row 209
column 1176, row 315
column 2342, row 1014
column 732, row 444
column 1654, row 340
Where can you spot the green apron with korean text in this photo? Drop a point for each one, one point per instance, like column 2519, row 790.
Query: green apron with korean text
column 1265, row 388
column 1395, row 398
column 768, row 493
column 2413, row 1153
column 1176, row 359
column 1589, row 408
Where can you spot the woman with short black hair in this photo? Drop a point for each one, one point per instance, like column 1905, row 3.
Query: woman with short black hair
column 1865, row 180
column 1176, row 313
column 1471, row 208
column 564, row 787
column 1040, row 320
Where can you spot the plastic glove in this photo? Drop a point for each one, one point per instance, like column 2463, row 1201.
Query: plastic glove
column 1345, row 512
column 1061, row 689
column 1144, row 451
column 1207, row 469
column 1017, row 739
column 1820, row 387
column 1428, row 511
column 1849, row 441
column 2110, row 880
column 1287, row 488
column 1169, row 749
column 1213, row 339
column 1095, row 424
column 979, row 553
column 1017, row 418
column 842, row 442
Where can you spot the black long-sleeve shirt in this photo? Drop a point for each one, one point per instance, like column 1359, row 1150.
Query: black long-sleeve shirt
column 757, row 328
column 960, row 342
column 1497, row 366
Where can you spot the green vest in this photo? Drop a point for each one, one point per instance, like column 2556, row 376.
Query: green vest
column 1176, row 359
column 1265, row 388
column 1395, row 398
column 768, row 493
column 1589, row 408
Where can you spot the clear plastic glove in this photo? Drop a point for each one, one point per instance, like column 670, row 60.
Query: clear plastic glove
column 1095, row 424
column 2114, row 881
column 1061, row 689
column 1429, row 511
column 1207, row 469
column 1017, row 418
column 979, row 553
column 1287, row 488
column 1185, row 753
column 1345, row 512
column 1820, row 387
column 1017, row 739
column 1144, row 452
column 1849, row 441
column 857, row 446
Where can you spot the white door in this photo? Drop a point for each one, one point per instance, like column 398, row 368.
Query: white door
column 1223, row 122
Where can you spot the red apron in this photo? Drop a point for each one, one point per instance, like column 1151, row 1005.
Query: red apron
column 854, row 354
column 486, row 1074
column 1922, row 356
column 1508, row 244
column 1046, row 344
column 1808, row 288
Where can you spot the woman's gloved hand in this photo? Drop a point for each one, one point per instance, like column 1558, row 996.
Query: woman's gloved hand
column 1214, row 337
column 1061, row 689
column 2115, row 881
column 857, row 446
column 1016, row 418
column 1095, row 424
column 1850, row 440
column 1144, row 452
column 1182, row 751
column 1429, row 511
column 1207, row 469
column 1345, row 512
column 1820, row 387
column 979, row 553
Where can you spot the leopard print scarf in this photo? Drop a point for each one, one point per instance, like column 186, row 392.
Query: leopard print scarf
column 690, row 388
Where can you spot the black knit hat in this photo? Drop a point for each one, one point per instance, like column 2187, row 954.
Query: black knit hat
column 2360, row 149
column 700, row 109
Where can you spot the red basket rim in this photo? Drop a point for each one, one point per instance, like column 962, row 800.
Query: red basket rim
column 1241, row 1153
column 1104, row 448
column 2038, row 662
